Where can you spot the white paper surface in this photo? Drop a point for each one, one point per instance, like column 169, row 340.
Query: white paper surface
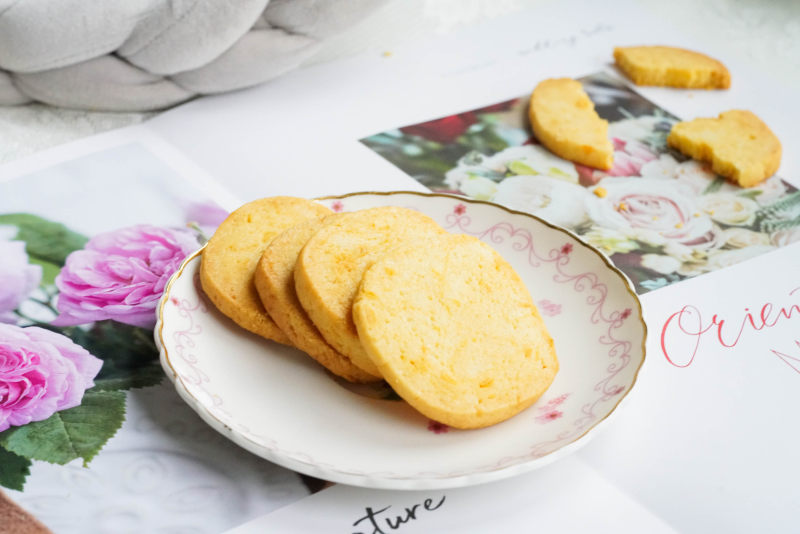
column 569, row 497
column 709, row 439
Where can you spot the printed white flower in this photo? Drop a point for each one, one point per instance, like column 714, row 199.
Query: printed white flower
column 730, row 209
column 554, row 200
column 638, row 129
column 526, row 160
column 652, row 210
column 771, row 190
column 478, row 187
column 694, row 268
column 741, row 237
column 610, row 241
column 683, row 253
column 698, row 176
column 785, row 237
column 664, row 167
column 648, row 237
column 660, row 264
column 719, row 259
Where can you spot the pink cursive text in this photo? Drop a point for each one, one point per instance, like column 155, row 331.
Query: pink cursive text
column 688, row 327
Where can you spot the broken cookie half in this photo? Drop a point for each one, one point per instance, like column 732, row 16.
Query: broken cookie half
column 738, row 145
column 563, row 119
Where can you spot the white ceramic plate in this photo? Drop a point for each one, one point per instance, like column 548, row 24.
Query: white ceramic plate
column 277, row 403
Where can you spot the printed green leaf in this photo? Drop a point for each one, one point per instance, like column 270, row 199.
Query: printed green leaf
column 49, row 271
column 770, row 226
column 44, row 240
column 13, row 470
column 79, row 432
column 555, row 171
column 715, row 185
column 751, row 194
column 141, row 377
column 517, row 167
column 124, row 349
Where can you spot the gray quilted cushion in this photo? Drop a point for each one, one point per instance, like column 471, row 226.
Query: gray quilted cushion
column 141, row 55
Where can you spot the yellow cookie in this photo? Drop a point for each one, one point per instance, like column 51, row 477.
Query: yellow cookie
column 671, row 67
column 274, row 280
column 564, row 120
column 333, row 261
column 454, row 331
column 232, row 253
column 737, row 143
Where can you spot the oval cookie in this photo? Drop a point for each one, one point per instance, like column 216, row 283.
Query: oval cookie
column 333, row 261
column 274, row 281
column 232, row 253
column 453, row 329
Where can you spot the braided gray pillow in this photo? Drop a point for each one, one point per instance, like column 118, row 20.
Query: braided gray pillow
column 142, row 55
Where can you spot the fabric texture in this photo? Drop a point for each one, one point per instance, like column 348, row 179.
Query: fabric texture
column 143, row 55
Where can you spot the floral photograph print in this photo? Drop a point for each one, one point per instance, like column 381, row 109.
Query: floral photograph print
column 659, row 216
column 77, row 313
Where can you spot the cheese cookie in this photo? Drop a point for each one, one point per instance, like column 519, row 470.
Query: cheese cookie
column 453, row 329
column 274, row 280
column 738, row 145
column 331, row 265
column 231, row 255
column 671, row 67
column 565, row 122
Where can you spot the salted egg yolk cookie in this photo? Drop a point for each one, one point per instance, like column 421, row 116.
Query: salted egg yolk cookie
column 454, row 331
column 332, row 262
column 565, row 122
column 671, row 67
column 230, row 257
column 274, row 280
column 738, row 145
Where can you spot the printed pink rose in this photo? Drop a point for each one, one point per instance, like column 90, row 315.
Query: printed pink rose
column 41, row 373
column 120, row 275
column 17, row 278
column 654, row 211
column 629, row 158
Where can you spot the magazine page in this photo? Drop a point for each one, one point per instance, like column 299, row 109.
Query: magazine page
column 122, row 452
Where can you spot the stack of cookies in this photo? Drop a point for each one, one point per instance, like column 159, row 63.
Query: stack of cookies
column 385, row 294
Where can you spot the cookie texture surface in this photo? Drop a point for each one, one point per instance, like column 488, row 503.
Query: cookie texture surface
column 453, row 329
column 738, row 145
column 231, row 255
column 332, row 263
column 565, row 122
column 274, row 281
column 668, row 66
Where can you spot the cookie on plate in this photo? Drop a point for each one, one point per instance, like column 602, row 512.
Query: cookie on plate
column 332, row 262
column 738, row 145
column 671, row 67
column 231, row 255
column 565, row 122
column 274, row 281
column 455, row 332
